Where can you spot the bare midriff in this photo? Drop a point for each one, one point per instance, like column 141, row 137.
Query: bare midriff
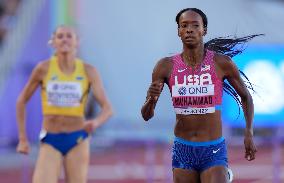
column 199, row 128
column 60, row 123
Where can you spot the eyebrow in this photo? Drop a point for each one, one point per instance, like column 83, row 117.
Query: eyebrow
column 185, row 21
column 61, row 33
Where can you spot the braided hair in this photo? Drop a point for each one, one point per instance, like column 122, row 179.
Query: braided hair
column 232, row 47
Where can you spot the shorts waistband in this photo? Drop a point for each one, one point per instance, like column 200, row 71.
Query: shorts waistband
column 44, row 133
column 66, row 133
column 206, row 143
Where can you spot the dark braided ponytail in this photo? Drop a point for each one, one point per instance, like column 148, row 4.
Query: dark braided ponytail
column 232, row 47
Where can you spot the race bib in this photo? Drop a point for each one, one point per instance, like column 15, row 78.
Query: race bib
column 64, row 94
column 189, row 99
column 192, row 90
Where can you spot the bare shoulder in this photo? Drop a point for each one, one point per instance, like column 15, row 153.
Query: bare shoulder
column 41, row 69
column 164, row 67
column 165, row 62
column 222, row 60
column 91, row 71
column 225, row 64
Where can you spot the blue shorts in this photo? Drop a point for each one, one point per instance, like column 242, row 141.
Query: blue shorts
column 63, row 142
column 199, row 156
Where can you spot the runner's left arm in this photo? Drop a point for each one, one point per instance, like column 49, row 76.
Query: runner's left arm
column 100, row 96
column 233, row 76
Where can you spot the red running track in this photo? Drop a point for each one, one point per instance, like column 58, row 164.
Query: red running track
column 142, row 162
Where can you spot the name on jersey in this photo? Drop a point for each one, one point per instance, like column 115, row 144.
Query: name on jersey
column 192, row 101
column 64, row 94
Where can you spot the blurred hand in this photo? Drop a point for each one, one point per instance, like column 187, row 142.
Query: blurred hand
column 154, row 91
column 23, row 147
column 250, row 148
column 90, row 126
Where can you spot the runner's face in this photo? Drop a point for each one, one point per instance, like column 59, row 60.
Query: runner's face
column 191, row 29
column 65, row 40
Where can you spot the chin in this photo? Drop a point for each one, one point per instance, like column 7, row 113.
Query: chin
column 191, row 45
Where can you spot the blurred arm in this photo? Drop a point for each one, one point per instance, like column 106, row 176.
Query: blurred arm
column 32, row 84
column 99, row 94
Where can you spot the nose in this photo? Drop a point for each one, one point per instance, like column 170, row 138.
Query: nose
column 189, row 29
column 64, row 39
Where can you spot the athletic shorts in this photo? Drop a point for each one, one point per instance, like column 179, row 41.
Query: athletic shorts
column 63, row 142
column 199, row 156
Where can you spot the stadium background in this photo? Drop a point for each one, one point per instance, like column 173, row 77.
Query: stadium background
column 124, row 39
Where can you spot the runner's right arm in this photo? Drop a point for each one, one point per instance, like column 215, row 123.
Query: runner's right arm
column 159, row 76
column 32, row 84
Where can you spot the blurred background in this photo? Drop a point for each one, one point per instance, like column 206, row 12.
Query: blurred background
column 124, row 39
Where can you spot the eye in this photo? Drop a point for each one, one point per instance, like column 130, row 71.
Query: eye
column 59, row 36
column 183, row 25
column 69, row 36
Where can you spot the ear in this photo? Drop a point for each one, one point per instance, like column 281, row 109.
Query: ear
column 205, row 31
column 51, row 43
column 178, row 33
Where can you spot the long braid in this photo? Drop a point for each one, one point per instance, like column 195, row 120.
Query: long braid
column 229, row 46
column 232, row 47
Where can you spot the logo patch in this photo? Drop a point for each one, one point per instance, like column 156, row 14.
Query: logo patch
column 79, row 78
column 182, row 90
column 55, row 87
column 79, row 140
column 215, row 151
column 181, row 70
column 205, row 67
column 54, row 77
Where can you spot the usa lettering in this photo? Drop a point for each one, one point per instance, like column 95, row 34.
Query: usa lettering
column 203, row 79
